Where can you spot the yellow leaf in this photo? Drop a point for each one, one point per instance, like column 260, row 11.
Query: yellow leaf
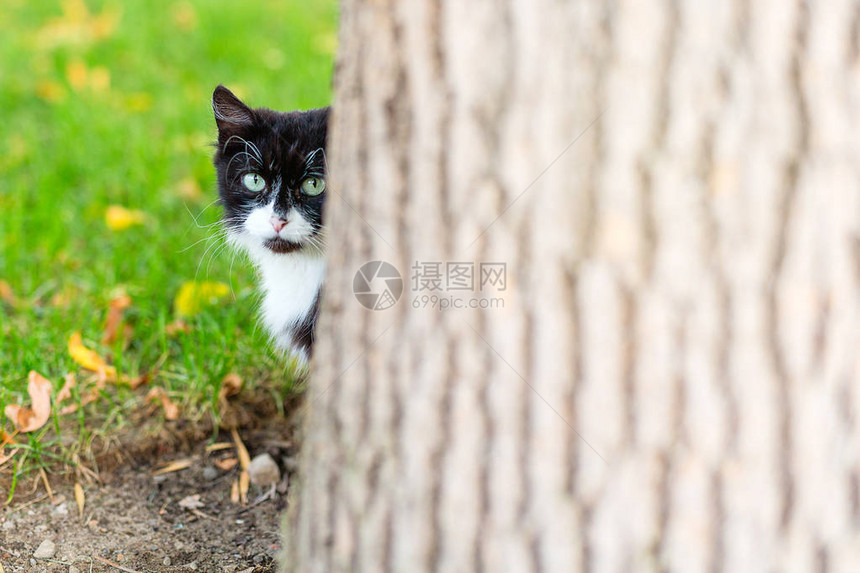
column 87, row 358
column 79, row 497
column 30, row 419
column 119, row 218
column 193, row 296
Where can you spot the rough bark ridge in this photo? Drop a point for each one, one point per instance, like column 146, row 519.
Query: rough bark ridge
column 672, row 384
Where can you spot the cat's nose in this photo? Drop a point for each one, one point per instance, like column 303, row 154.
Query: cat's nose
column 277, row 223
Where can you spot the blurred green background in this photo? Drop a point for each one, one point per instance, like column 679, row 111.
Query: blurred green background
column 105, row 104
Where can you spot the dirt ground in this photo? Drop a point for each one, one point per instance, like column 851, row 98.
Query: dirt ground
column 136, row 521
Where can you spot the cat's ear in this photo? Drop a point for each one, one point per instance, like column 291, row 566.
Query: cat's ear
column 230, row 113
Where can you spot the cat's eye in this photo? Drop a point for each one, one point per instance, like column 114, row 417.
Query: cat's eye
column 313, row 186
column 253, row 182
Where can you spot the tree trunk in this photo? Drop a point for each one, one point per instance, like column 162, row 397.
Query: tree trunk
column 672, row 382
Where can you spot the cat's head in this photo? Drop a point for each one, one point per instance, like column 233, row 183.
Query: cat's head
column 271, row 176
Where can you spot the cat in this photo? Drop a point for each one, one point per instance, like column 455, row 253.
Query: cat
column 271, row 183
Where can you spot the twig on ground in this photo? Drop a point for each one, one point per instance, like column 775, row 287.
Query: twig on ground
column 112, row 564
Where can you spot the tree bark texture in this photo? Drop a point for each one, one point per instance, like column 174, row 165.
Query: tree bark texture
column 672, row 384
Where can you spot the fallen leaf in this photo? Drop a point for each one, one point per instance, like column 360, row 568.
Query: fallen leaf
column 30, row 419
column 193, row 296
column 176, row 327
column 174, row 466
column 138, row 380
column 87, row 358
column 226, row 464
column 191, row 502
column 171, row 410
column 230, row 386
column 66, row 390
column 91, row 396
column 118, row 218
column 80, row 499
column 7, row 295
column 114, row 317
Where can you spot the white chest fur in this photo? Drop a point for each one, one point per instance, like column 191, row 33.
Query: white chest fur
column 290, row 286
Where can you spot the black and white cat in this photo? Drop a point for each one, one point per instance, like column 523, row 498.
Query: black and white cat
column 271, row 183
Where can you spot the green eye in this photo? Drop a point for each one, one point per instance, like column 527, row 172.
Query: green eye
column 253, row 182
column 313, row 186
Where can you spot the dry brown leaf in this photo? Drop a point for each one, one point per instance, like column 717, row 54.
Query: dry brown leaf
column 171, row 410
column 66, row 390
column 230, row 385
column 174, row 466
column 244, row 484
column 138, row 381
column 176, row 327
column 30, row 419
column 226, row 464
column 6, row 457
column 80, row 499
column 87, row 358
column 241, row 450
column 7, row 295
column 114, row 317
column 91, row 396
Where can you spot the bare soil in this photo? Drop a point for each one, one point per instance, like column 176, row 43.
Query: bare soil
column 133, row 520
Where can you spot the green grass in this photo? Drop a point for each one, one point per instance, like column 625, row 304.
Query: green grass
column 107, row 103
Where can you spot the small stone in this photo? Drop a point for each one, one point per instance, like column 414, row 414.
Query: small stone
column 166, row 561
column 8, row 525
column 259, row 558
column 193, row 565
column 209, row 473
column 45, row 550
column 62, row 509
column 73, row 569
column 263, row 470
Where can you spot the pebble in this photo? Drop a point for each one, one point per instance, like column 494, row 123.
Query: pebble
column 264, row 471
column 209, row 473
column 73, row 569
column 8, row 525
column 166, row 561
column 45, row 550
column 193, row 565
column 62, row 509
